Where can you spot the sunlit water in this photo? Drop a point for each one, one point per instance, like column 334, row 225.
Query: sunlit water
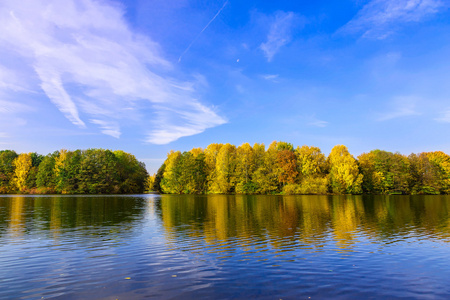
column 224, row 247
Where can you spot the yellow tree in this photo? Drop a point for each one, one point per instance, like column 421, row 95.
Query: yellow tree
column 196, row 152
column 225, row 165
column 265, row 177
column 170, row 184
column 245, row 166
column 372, row 178
column 442, row 161
column 344, row 175
column 312, row 166
column 22, row 166
column 149, row 182
column 311, row 161
column 211, row 153
column 259, row 151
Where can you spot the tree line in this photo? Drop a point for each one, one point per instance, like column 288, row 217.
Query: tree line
column 225, row 168
column 92, row 171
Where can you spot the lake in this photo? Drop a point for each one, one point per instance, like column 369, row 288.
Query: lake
column 224, row 247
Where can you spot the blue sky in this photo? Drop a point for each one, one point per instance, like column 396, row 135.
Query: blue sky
column 150, row 76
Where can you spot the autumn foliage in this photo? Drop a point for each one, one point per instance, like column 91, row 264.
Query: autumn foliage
column 92, row 171
column 225, row 168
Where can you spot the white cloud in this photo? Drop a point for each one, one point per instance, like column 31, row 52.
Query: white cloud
column 194, row 120
column 9, row 107
column 444, row 116
column 270, row 77
column 380, row 18
column 313, row 121
column 108, row 128
column 95, row 69
column 279, row 33
column 318, row 123
column 401, row 106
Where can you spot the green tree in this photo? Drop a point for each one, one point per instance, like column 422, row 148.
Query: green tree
column 131, row 174
column 45, row 178
column 199, row 171
column 158, row 178
column 6, row 170
column 67, row 170
column 98, row 172
column 170, row 183
column 424, row 176
column 36, row 160
column 385, row 172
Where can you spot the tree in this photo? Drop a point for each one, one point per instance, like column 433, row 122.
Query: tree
column 266, row 176
column 424, row 176
column 158, row 178
column 45, row 177
column 22, row 166
column 199, row 171
column 36, row 160
column 287, row 167
column 385, row 172
column 311, row 161
column 372, row 177
column 132, row 174
column 6, row 170
column 245, row 167
column 344, row 175
column 67, row 169
column 149, row 182
column 224, row 180
column 211, row 153
column 170, row 183
column 98, row 172
column 441, row 161
column 188, row 173
column 313, row 168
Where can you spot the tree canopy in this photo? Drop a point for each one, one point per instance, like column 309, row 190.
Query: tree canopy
column 91, row 171
column 283, row 169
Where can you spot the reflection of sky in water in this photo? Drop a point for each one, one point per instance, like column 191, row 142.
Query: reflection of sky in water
column 224, row 246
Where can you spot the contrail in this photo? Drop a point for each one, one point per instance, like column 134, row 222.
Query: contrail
column 193, row 41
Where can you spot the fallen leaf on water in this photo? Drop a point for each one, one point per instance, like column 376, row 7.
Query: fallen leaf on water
column 174, row 275
column 127, row 277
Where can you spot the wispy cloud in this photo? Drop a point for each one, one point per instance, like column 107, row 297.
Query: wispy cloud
column 318, row 123
column 204, row 28
column 109, row 128
column 9, row 107
column 280, row 33
column 402, row 106
column 96, row 70
column 380, row 18
column 312, row 120
column 270, row 77
column 444, row 116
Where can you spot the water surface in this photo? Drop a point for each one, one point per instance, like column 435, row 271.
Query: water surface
column 224, row 247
